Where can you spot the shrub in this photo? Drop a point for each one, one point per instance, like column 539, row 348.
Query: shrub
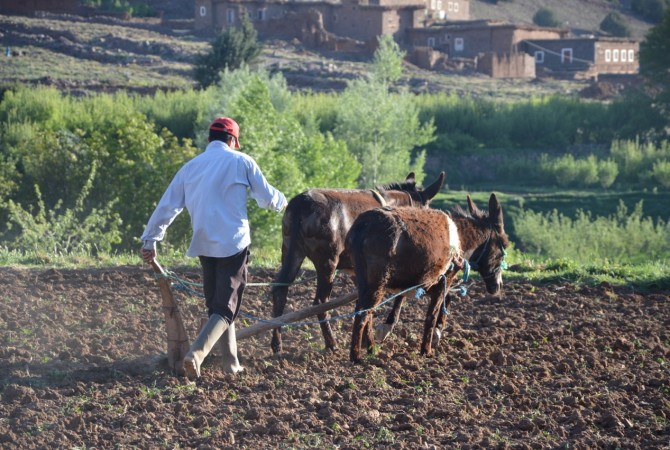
column 63, row 231
column 661, row 173
column 545, row 17
column 651, row 10
column 230, row 50
column 614, row 24
column 623, row 237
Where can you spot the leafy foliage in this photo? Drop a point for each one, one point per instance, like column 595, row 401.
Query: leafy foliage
column 545, row 17
column 387, row 60
column 655, row 63
column 615, row 24
column 382, row 128
column 231, row 49
column 623, row 237
column 292, row 157
column 651, row 10
column 65, row 230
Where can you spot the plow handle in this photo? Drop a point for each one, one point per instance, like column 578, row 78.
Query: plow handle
column 177, row 340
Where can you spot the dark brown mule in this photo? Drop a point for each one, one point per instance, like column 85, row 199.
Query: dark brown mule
column 395, row 249
column 315, row 225
column 479, row 251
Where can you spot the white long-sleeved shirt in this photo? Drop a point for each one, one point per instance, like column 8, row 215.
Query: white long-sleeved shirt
column 213, row 188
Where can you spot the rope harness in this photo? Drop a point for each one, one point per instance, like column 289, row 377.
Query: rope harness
column 189, row 287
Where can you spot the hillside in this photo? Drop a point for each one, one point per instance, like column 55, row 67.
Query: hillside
column 79, row 55
column 580, row 16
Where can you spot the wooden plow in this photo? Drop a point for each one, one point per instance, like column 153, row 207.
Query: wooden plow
column 177, row 339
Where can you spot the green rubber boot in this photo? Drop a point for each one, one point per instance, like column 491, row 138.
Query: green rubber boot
column 228, row 348
column 210, row 333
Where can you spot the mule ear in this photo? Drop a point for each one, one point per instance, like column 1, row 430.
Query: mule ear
column 471, row 206
column 496, row 214
column 410, row 177
column 432, row 190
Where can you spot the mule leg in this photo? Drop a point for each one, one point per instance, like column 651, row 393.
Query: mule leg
column 441, row 321
column 287, row 273
column 384, row 329
column 324, row 287
column 362, row 335
column 436, row 297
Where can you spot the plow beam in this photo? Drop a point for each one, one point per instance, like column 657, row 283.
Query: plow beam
column 295, row 316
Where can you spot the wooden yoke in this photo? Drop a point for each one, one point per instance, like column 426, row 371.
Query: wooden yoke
column 178, row 343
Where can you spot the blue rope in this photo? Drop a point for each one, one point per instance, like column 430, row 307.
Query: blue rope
column 333, row 318
column 184, row 285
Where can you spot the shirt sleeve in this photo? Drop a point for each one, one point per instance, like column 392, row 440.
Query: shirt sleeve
column 168, row 208
column 265, row 194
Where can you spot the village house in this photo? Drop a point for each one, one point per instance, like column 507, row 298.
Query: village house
column 358, row 20
column 492, row 47
column 29, row 7
column 584, row 57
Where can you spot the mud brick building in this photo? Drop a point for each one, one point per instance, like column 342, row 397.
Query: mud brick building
column 585, row 57
column 359, row 20
column 29, row 7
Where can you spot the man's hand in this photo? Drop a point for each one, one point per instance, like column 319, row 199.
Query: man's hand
column 148, row 251
column 148, row 255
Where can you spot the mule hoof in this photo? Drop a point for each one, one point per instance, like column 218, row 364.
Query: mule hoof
column 437, row 335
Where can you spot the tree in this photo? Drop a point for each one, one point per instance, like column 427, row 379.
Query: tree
column 614, row 24
column 655, row 63
column 294, row 157
column 545, row 17
column 387, row 60
column 230, row 50
column 382, row 128
column 651, row 10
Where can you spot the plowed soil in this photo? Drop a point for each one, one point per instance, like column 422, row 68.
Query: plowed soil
column 82, row 365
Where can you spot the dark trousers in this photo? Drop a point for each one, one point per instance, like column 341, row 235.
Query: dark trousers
column 224, row 280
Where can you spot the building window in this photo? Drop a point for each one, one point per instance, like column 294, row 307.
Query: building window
column 615, row 55
column 566, row 55
column 203, row 11
column 260, row 14
column 450, row 6
column 631, row 55
column 431, row 42
column 433, row 5
column 230, row 14
column 334, row 18
column 455, row 6
column 439, row 5
column 458, row 44
column 539, row 57
column 608, row 55
column 624, row 56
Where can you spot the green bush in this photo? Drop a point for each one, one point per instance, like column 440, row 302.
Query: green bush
column 63, row 231
column 651, row 10
column 231, row 49
column 615, row 24
column 545, row 17
column 636, row 159
column 661, row 173
column 623, row 237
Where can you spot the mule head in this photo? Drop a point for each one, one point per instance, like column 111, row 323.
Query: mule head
column 489, row 257
column 407, row 193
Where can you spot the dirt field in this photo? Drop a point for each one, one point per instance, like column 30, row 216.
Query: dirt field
column 82, row 366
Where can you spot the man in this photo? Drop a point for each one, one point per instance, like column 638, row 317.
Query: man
column 213, row 187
